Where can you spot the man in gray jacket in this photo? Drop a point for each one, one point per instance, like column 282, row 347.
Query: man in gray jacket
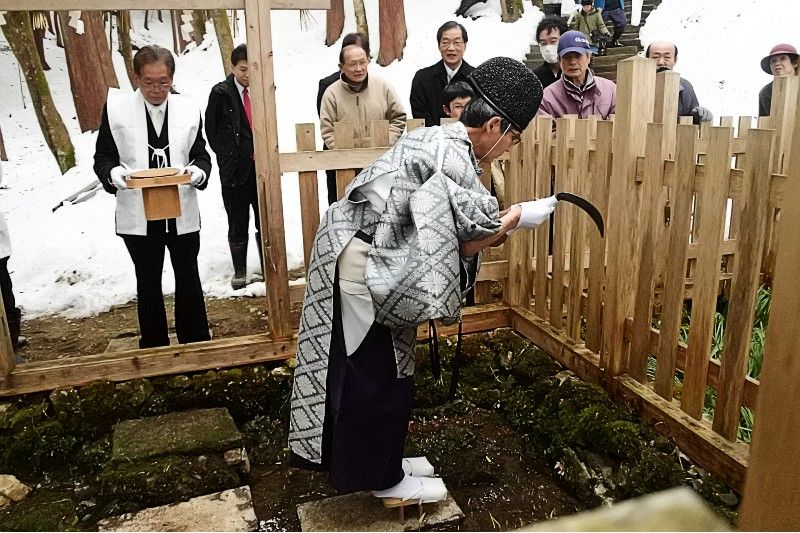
column 666, row 55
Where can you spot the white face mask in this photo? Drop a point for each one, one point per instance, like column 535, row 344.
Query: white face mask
column 549, row 52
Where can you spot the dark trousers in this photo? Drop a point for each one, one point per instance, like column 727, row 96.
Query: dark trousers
column 618, row 20
column 147, row 253
column 238, row 201
column 13, row 313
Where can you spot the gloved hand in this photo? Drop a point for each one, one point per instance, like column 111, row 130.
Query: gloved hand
column 118, row 175
column 703, row 114
column 536, row 211
column 199, row 177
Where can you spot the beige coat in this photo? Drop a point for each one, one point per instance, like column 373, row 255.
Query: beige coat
column 377, row 100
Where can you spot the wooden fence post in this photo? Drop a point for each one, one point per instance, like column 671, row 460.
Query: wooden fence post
column 771, row 498
column 343, row 134
column 635, row 97
column 746, row 268
column 518, row 246
column 544, row 172
column 560, row 222
column 580, row 185
column 268, row 171
column 309, row 193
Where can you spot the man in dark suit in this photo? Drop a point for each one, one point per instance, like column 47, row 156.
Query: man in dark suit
column 358, row 39
column 428, row 85
column 228, row 128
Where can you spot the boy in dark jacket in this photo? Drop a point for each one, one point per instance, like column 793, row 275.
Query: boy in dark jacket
column 228, row 129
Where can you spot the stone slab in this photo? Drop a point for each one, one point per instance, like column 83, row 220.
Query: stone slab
column 679, row 509
column 186, row 432
column 361, row 511
column 229, row 510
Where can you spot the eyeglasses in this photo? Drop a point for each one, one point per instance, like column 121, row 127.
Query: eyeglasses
column 446, row 44
column 516, row 137
column 150, row 85
column 357, row 64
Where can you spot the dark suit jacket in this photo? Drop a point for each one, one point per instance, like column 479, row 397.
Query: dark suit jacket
column 229, row 134
column 545, row 74
column 427, row 89
column 324, row 83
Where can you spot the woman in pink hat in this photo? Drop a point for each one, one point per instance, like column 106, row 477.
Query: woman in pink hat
column 781, row 61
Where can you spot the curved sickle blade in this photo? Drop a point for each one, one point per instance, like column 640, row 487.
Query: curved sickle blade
column 586, row 205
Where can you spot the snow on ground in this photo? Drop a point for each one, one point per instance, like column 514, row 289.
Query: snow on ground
column 71, row 262
column 720, row 46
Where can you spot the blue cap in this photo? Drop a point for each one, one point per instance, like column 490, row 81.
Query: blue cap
column 573, row 41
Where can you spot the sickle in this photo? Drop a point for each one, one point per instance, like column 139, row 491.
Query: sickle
column 586, row 206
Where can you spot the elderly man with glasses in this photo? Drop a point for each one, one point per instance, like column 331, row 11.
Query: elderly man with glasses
column 152, row 128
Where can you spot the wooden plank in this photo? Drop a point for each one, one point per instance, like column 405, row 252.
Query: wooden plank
column 7, row 361
column 650, row 217
column 309, row 193
column 559, row 224
column 379, row 133
column 133, row 364
column 112, row 5
column 665, row 106
column 727, row 461
column 578, row 244
column 518, row 245
column 726, row 121
column 329, row 159
column 742, row 129
column 543, row 174
column 597, row 244
column 710, row 225
column 745, row 282
column 635, row 97
column 672, row 307
column 343, row 137
column 268, row 171
column 414, row 123
column 474, row 319
column 771, row 498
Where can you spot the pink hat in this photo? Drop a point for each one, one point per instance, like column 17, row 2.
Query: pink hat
column 778, row 49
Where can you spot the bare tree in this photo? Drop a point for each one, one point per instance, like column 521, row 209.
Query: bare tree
column 124, row 43
column 334, row 22
column 199, row 18
column 223, row 29
column 361, row 17
column 91, row 71
column 19, row 34
column 177, row 38
column 392, row 24
column 40, row 24
column 3, row 155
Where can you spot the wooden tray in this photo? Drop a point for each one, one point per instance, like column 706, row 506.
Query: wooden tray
column 158, row 181
column 159, row 191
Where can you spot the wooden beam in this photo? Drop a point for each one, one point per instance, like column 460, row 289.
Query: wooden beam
column 474, row 319
column 132, row 364
column 113, row 5
column 329, row 159
column 268, row 170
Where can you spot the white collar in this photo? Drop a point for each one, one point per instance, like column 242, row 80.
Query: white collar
column 151, row 107
column 239, row 86
column 452, row 72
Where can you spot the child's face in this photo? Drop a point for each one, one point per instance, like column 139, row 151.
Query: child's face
column 456, row 106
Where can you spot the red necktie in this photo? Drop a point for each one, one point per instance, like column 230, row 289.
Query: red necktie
column 247, row 111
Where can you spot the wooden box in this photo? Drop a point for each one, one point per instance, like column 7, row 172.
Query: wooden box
column 159, row 191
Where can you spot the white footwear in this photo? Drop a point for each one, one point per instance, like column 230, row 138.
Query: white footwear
column 412, row 490
column 417, row 467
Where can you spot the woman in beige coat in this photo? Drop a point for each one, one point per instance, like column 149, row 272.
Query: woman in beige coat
column 359, row 99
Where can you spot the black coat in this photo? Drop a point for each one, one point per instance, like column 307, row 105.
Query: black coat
column 427, row 89
column 324, row 83
column 765, row 100
column 106, row 155
column 229, row 134
column 545, row 74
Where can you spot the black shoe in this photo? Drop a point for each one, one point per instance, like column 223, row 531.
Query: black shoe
column 616, row 44
column 239, row 259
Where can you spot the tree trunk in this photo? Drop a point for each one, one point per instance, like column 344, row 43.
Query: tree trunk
column 147, row 19
column 59, row 34
column 199, row 18
column 19, row 34
column 160, row 16
column 91, row 72
column 223, row 29
column 3, row 154
column 334, row 22
column 124, row 42
column 361, row 17
column 177, row 38
column 39, row 24
column 392, row 24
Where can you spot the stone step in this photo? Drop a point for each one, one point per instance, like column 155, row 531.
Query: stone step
column 361, row 511
column 229, row 510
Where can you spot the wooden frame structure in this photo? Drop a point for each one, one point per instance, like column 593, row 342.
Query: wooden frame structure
column 591, row 302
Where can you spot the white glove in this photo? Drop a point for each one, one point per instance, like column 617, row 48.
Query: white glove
column 199, row 177
column 118, row 175
column 702, row 114
column 536, row 211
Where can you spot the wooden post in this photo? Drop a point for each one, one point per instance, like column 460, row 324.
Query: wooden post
column 334, row 22
column 746, row 268
column 771, row 498
column 580, row 185
column 544, row 170
column 268, row 171
column 635, row 97
column 379, row 133
column 7, row 361
column 597, row 244
column 559, row 225
column 711, row 200
column 414, row 123
column 518, row 245
column 343, row 138
column 743, row 127
column 309, row 193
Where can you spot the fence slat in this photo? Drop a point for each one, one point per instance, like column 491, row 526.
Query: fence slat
column 597, row 244
column 710, row 206
column 517, row 291
column 745, row 281
column 544, row 172
column 672, row 311
column 379, row 133
column 559, row 224
column 309, row 193
column 650, row 220
column 580, row 185
column 741, row 133
column 414, row 123
column 343, row 136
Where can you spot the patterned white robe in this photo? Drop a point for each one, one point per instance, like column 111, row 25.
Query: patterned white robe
column 414, row 254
